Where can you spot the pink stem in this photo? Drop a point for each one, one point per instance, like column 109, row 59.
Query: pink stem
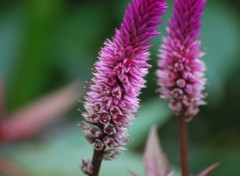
column 97, row 161
column 183, row 139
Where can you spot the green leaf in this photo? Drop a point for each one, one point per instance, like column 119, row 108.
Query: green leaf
column 60, row 156
column 85, row 29
column 11, row 33
column 220, row 34
column 153, row 112
column 33, row 64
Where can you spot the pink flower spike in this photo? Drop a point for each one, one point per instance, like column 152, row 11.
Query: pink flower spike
column 181, row 72
column 112, row 100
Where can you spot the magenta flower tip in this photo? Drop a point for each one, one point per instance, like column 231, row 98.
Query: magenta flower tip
column 112, row 100
column 181, row 72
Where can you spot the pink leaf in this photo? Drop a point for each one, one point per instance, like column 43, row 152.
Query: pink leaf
column 2, row 108
column 9, row 168
column 155, row 160
column 209, row 169
column 132, row 173
column 31, row 119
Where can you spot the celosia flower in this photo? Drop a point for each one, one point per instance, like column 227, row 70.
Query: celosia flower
column 112, row 100
column 181, row 74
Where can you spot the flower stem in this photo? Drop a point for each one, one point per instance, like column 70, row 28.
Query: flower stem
column 183, row 139
column 97, row 161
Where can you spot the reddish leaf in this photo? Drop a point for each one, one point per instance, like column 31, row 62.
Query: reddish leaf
column 155, row 160
column 209, row 169
column 132, row 173
column 9, row 168
column 33, row 118
column 2, row 108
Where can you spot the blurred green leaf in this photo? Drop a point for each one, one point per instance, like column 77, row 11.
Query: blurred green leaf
column 33, row 64
column 61, row 156
column 228, row 158
column 220, row 36
column 11, row 33
column 153, row 112
column 79, row 38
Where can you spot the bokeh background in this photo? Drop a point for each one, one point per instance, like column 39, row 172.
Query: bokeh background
column 47, row 49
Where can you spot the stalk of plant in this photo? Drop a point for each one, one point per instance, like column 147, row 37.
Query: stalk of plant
column 112, row 100
column 181, row 72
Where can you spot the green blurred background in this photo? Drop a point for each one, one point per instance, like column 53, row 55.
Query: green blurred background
column 46, row 44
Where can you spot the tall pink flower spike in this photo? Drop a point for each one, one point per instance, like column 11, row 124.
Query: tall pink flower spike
column 181, row 72
column 112, row 100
